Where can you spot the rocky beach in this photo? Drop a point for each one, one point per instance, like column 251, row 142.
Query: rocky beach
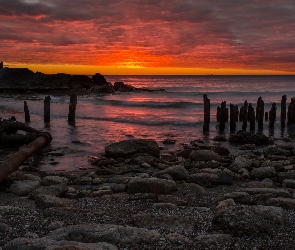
column 134, row 196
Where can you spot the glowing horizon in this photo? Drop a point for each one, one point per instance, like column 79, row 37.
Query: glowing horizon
column 163, row 37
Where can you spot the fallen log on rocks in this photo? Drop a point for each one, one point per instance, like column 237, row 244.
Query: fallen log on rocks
column 15, row 160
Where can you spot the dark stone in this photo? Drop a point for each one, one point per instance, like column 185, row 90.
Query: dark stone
column 99, row 79
column 224, row 178
column 242, row 137
column 131, row 147
column 80, row 82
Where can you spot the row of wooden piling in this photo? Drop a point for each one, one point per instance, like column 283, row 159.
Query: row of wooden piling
column 47, row 100
column 247, row 114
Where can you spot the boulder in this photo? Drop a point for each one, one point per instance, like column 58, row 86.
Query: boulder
column 110, row 233
column 242, row 137
column 48, row 244
column 263, row 172
column 24, row 188
column 270, row 151
column 46, row 201
column 99, row 80
column 247, row 220
column 177, row 172
column 131, row 147
column 150, row 185
column 80, row 82
column 204, row 155
column 175, row 223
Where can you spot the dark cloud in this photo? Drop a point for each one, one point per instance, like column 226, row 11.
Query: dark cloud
column 251, row 33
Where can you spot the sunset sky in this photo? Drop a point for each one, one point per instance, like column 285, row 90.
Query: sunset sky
column 149, row 37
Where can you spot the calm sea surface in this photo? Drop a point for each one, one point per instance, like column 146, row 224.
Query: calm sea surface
column 176, row 113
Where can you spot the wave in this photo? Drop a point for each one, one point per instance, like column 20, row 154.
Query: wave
column 147, row 122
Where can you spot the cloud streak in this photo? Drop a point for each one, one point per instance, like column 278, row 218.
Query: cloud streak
column 248, row 34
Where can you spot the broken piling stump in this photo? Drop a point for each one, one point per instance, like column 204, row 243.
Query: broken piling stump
column 233, row 117
column 27, row 112
column 260, row 114
column 206, row 113
column 223, row 116
column 47, row 109
column 283, row 111
column 251, row 117
column 272, row 115
column 245, row 116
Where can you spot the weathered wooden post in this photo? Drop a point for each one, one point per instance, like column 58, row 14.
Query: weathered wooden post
column 72, row 109
column 47, row 109
column 218, row 111
column 241, row 114
column 292, row 112
column 245, row 116
column 289, row 113
column 283, row 111
column 236, row 107
column 206, row 113
column 260, row 114
column 258, row 107
column 233, row 117
column 266, row 116
column 252, row 117
column 272, row 116
column 222, row 116
column 27, row 112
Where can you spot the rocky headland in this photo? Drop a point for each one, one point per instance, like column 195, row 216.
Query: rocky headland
column 26, row 81
column 134, row 196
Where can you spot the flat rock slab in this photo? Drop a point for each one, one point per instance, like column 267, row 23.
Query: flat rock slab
column 172, row 222
column 48, row 244
column 150, row 185
column 114, row 234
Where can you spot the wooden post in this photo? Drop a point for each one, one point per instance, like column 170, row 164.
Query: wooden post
column 241, row 114
column 272, row 116
column 266, row 116
column 252, row 117
column 283, row 111
column 47, row 109
column 236, row 107
column 206, row 113
column 218, row 111
column 27, row 112
column 72, row 109
column 245, row 116
column 233, row 118
column 289, row 114
column 261, row 115
column 222, row 117
column 258, row 107
column 293, row 111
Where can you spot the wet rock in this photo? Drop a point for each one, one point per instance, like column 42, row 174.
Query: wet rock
column 224, row 178
column 114, row 234
column 263, row 172
column 223, row 151
column 54, row 190
column 277, row 165
column 286, row 175
column 219, row 138
column 276, row 151
column 150, row 185
column 204, row 155
column 194, row 189
column 24, row 188
column 53, row 180
column 172, row 222
column 143, row 158
column 238, row 197
column 247, row 220
column 242, row 137
column 203, row 179
column 131, row 147
column 289, row 183
column 46, row 201
column 48, row 244
column 177, row 172
column 169, row 142
column 277, row 192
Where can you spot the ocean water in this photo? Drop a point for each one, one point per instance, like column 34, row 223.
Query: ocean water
column 176, row 113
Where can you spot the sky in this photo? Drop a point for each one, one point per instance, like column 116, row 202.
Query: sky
column 149, row 37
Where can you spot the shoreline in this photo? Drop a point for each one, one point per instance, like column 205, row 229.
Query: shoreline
column 204, row 196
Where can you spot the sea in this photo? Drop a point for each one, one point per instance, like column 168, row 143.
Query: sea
column 173, row 111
